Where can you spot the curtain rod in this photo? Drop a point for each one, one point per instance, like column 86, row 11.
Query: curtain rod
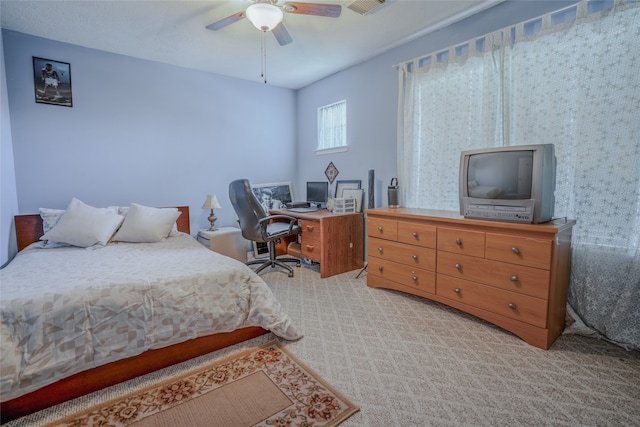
column 509, row 27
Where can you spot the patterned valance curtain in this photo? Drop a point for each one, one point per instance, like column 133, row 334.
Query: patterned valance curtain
column 569, row 78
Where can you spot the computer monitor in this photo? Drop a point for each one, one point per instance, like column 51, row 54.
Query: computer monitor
column 317, row 193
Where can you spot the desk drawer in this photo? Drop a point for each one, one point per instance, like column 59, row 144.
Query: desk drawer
column 413, row 256
column 310, row 240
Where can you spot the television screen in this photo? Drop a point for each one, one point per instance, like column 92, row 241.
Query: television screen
column 505, row 175
column 317, row 192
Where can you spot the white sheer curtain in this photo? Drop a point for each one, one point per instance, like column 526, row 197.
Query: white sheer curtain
column 570, row 78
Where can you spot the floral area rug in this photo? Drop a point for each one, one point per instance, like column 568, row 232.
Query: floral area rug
column 261, row 386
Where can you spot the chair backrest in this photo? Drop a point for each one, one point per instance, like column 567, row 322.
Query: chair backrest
column 248, row 209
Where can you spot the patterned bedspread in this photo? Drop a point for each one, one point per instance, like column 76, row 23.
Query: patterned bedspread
column 66, row 310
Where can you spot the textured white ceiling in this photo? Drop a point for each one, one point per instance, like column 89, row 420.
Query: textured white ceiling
column 174, row 32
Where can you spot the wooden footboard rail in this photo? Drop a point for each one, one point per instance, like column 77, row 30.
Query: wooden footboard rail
column 122, row 370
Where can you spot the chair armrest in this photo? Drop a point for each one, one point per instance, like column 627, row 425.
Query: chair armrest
column 292, row 221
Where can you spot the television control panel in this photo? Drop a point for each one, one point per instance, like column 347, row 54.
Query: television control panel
column 523, row 214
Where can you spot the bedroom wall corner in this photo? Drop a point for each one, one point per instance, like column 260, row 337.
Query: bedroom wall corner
column 8, row 193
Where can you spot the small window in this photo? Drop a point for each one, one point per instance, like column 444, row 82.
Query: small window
column 332, row 128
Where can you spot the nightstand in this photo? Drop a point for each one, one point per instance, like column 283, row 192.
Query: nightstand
column 226, row 241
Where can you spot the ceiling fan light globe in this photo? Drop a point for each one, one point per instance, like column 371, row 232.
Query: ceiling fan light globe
column 264, row 17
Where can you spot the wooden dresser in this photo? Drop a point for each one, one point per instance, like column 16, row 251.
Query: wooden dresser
column 513, row 275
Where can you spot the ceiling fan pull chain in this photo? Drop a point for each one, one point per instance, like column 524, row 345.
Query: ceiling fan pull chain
column 263, row 47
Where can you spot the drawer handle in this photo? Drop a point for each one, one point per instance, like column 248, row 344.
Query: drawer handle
column 309, row 228
column 458, row 242
column 456, row 290
column 414, row 278
column 380, row 228
column 310, row 248
column 458, row 267
column 415, row 257
column 512, row 306
column 414, row 234
column 380, row 250
column 380, row 269
column 515, row 251
column 514, row 278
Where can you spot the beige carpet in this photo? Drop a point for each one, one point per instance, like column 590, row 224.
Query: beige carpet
column 262, row 386
column 411, row 362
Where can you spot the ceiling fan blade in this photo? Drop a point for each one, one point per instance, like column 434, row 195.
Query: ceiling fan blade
column 226, row 21
column 328, row 10
column 282, row 35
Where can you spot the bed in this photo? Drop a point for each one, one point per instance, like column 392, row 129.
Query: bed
column 139, row 307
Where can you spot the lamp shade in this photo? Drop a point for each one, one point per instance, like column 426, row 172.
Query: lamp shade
column 263, row 16
column 211, row 202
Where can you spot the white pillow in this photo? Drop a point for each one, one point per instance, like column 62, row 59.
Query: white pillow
column 143, row 224
column 50, row 218
column 83, row 225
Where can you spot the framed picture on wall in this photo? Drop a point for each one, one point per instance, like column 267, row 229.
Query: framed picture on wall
column 354, row 184
column 52, row 82
column 273, row 195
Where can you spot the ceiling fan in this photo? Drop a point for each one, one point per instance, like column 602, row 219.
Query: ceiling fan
column 267, row 15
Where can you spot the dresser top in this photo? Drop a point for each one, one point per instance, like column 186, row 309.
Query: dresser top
column 454, row 218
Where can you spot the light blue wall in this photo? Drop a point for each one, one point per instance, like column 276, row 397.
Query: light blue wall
column 371, row 91
column 8, row 196
column 143, row 132
column 163, row 135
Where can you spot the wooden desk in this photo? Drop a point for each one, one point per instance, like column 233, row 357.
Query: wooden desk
column 336, row 241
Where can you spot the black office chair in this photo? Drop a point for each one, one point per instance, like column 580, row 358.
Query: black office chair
column 257, row 226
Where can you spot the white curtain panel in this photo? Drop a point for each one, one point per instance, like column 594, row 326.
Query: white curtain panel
column 570, row 78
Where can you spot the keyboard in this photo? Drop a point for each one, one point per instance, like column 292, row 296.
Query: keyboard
column 303, row 210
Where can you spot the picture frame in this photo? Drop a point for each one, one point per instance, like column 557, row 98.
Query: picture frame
column 260, row 250
column 354, row 184
column 274, row 195
column 52, row 82
column 354, row 193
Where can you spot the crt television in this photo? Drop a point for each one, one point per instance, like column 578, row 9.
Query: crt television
column 515, row 184
column 317, row 193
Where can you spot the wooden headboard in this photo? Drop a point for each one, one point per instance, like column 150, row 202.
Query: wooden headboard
column 29, row 227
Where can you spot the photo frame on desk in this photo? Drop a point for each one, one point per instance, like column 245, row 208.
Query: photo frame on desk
column 354, row 184
column 274, row 195
column 357, row 194
column 260, row 250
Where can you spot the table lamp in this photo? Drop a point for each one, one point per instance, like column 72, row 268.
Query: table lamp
column 211, row 203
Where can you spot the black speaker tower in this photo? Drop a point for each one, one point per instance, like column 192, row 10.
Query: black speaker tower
column 371, row 189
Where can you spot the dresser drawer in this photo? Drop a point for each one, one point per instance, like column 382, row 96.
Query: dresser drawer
column 520, row 250
column 417, row 278
column 510, row 304
column 310, row 240
column 413, row 256
column 511, row 277
column 460, row 241
column 415, row 233
column 382, row 228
